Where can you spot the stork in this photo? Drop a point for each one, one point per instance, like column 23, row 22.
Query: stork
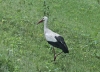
column 53, row 38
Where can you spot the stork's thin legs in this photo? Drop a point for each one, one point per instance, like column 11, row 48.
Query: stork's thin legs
column 55, row 56
column 54, row 51
column 59, row 54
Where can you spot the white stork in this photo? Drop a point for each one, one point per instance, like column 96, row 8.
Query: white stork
column 53, row 38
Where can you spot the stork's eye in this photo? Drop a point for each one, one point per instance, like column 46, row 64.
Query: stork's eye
column 43, row 19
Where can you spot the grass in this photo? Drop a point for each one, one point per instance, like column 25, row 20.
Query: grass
column 22, row 44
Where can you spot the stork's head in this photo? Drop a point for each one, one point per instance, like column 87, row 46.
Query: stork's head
column 43, row 19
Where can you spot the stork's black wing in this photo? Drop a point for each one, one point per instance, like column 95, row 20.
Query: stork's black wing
column 62, row 44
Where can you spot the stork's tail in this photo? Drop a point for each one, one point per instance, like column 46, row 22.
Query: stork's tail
column 65, row 49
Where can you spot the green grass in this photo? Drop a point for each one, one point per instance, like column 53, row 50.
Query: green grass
column 23, row 47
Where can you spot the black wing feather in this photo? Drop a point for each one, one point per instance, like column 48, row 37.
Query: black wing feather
column 62, row 44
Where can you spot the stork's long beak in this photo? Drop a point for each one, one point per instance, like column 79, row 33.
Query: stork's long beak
column 40, row 21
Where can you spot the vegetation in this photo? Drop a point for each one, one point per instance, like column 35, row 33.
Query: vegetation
column 23, row 47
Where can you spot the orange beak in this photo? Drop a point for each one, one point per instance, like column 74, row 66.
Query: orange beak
column 40, row 21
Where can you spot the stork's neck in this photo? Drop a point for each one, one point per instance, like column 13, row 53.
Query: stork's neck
column 45, row 25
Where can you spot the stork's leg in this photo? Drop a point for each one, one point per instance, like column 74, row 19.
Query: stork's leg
column 57, row 55
column 54, row 51
column 54, row 54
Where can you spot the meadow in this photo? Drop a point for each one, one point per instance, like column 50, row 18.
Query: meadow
column 23, row 47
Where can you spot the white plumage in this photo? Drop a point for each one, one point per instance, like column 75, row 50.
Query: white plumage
column 50, row 35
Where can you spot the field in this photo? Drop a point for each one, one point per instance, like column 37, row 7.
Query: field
column 23, row 47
